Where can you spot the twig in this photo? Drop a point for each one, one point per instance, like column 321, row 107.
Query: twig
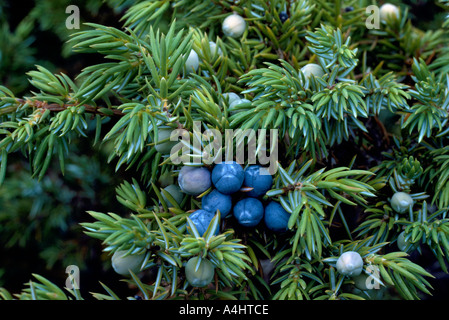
column 57, row 107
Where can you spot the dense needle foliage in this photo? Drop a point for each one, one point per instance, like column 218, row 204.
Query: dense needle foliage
column 372, row 125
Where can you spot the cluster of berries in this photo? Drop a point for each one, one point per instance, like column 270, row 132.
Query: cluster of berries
column 228, row 180
column 236, row 192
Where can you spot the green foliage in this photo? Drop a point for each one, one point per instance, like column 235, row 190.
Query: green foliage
column 44, row 215
column 26, row 30
column 142, row 85
column 12, row 66
column 430, row 110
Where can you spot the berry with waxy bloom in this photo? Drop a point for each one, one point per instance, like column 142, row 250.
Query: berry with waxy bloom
column 228, row 177
column 388, row 11
column 401, row 201
column 312, row 69
column 248, row 212
column 276, row 217
column 350, row 264
column 199, row 273
column 192, row 62
column 234, row 26
column 201, row 219
column 122, row 263
column 215, row 200
column 259, row 179
column 194, row 180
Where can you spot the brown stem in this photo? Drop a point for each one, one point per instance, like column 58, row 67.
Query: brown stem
column 56, row 107
column 383, row 129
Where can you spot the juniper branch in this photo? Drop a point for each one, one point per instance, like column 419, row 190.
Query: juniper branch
column 57, row 107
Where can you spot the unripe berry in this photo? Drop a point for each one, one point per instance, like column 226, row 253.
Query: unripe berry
column 234, row 26
column 360, row 281
column 350, row 264
column 215, row 200
column 402, row 243
column 228, row 177
column 248, row 212
column 166, row 146
column 276, row 218
column 192, row 62
column 312, row 69
column 231, row 97
column 388, row 11
column 194, row 180
column 237, row 102
column 199, row 275
column 214, row 49
column 166, row 179
column 175, row 192
column 122, row 263
column 401, row 201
